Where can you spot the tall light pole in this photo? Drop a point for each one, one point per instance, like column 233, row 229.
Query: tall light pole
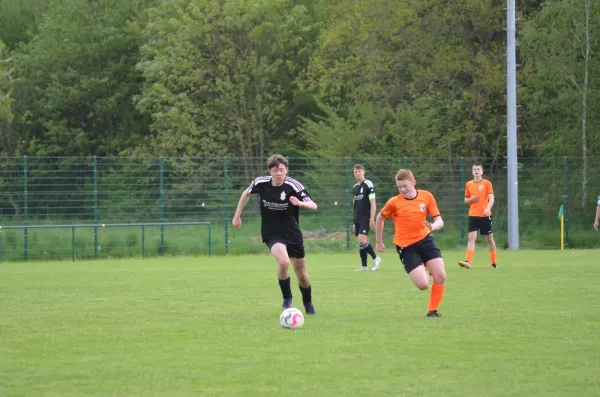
column 511, row 127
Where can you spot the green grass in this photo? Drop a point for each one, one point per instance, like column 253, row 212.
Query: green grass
column 209, row 327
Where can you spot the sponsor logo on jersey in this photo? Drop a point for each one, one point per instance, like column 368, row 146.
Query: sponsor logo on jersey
column 275, row 206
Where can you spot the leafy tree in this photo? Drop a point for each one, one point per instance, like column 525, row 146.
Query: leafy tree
column 19, row 20
column 562, row 79
column 437, row 67
column 7, row 138
column 221, row 77
column 76, row 79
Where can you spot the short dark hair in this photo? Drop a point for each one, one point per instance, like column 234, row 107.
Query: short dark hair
column 275, row 160
column 359, row 167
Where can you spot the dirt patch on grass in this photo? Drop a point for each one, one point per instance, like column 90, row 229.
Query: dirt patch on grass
column 323, row 235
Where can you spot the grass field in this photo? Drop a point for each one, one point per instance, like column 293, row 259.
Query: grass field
column 209, row 327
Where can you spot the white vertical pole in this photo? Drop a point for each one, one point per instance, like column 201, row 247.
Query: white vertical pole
column 511, row 126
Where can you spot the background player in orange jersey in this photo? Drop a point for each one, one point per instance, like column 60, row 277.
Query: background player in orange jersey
column 413, row 238
column 479, row 196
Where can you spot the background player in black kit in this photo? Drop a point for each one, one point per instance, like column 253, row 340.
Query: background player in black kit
column 280, row 200
column 364, row 216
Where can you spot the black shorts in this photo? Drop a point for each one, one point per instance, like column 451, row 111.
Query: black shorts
column 420, row 252
column 361, row 226
column 483, row 224
column 295, row 248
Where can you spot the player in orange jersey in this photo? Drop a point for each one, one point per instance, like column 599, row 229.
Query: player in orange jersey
column 479, row 196
column 412, row 237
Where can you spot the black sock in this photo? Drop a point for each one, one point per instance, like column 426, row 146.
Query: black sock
column 306, row 294
column 286, row 290
column 363, row 255
column 370, row 250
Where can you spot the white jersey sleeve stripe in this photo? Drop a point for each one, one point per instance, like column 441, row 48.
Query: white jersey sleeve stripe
column 259, row 180
column 295, row 184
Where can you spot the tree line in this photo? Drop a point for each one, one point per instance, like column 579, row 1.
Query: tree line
column 302, row 77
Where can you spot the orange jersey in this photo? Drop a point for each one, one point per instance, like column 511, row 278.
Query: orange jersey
column 409, row 216
column 480, row 189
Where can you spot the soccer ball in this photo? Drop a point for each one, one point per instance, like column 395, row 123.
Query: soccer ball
column 291, row 318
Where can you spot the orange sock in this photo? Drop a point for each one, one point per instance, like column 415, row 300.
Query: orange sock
column 493, row 256
column 435, row 298
column 470, row 255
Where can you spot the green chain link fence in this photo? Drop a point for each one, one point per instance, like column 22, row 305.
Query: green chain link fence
column 96, row 190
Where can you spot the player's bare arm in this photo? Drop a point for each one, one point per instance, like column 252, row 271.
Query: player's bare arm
column 488, row 209
column 237, row 217
column 379, row 233
column 597, row 220
column 437, row 224
column 372, row 217
column 469, row 200
column 307, row 205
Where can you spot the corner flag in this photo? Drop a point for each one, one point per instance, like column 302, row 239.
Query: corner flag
column 560, row 212
column 561, row 217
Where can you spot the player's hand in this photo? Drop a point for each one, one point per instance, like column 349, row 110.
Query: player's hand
column 596, row 225
column 237, row 222
column 372, row 224
column 474, row 199
column 353, row 228
column 486, row 212
column 431, row 226
column 380, row 246
column 294, row 200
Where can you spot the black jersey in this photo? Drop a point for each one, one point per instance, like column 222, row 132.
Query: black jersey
column 279, row 216
column 363, row 193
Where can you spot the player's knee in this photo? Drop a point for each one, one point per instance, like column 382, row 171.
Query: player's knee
column 303, row 277
column 283, row 262
column 422, row 285
column 439, row 278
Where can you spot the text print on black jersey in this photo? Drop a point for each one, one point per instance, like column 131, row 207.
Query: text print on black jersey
column 275, row 206
column 279, row 216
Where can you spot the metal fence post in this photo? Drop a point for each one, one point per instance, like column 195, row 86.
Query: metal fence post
column 95, row 164
column 209, row 240
column 73, row 243
column 25, row 209
column 347, row 202
column 143, row 242
column 405, row 162
column 225, row 204
column 162, row 205
column 461, row 210
column 566, row 199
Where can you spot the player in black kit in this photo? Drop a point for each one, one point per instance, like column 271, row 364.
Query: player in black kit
column 364, row 216
column 281, row 198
